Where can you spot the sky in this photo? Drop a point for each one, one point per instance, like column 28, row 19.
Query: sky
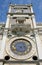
column 37, row 7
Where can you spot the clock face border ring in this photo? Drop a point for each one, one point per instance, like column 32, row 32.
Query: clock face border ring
column 23, row 57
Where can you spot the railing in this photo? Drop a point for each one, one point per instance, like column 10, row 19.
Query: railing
column 20, row 14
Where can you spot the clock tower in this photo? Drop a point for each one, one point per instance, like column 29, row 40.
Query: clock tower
column 21, row 43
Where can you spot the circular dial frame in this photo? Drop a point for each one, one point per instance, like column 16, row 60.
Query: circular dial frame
column 21, row 48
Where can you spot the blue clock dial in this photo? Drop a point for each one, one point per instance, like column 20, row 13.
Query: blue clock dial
column 21, row 46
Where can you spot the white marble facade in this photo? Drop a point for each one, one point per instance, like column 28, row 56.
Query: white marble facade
column 20, row 37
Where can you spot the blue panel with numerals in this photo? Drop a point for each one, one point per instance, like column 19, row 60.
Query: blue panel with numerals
column 21, row 47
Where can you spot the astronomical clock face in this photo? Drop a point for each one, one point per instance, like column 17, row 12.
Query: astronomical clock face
column 21, row 48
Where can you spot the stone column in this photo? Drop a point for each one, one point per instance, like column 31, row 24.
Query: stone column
column 38, row 41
